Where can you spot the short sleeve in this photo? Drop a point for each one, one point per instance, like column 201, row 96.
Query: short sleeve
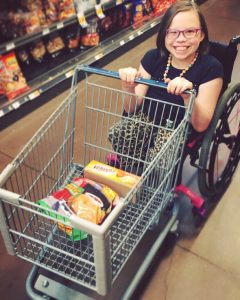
column 213, row 69
column 149, row 61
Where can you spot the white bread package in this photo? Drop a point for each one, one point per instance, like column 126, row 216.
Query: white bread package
column 122, row 182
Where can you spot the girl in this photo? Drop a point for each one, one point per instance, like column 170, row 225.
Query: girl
column 182, row 62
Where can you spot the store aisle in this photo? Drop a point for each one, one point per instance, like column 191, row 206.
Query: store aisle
column 204, row 265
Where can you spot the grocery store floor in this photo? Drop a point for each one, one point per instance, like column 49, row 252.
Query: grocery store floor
column 202, row 265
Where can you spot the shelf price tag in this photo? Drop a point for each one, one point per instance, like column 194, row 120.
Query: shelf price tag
column 82, row 20
column 131, row 37
column 122, row 42
column 60, row 25
column 69, row 74
column 98, row 56
column 99, row 11
column 10, row 46
column 34, row 95
column 1, row 113
column 153, row 24
column 45, row 31
column 16, row 104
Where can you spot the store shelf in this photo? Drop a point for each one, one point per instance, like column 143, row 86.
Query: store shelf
column 20, row 41
column 65, row 70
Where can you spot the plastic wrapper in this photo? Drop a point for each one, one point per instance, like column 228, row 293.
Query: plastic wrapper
column 38, row 51
column 128, row 15
column 51, row 10
column 23, row 56
column 54, row 45
column 31, row 5
column 72, row 37
column 31, row 22
column 90, row 36
column 138, row 14
column 160, row 6
column 83, row 197
column 11, row 78
column 66, row 9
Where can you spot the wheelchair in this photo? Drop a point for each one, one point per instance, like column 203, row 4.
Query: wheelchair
column 218, row 149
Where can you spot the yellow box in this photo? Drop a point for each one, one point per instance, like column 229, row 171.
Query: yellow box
column 118, row 180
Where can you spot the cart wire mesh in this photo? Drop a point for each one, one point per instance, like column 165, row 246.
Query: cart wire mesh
column 75, row 134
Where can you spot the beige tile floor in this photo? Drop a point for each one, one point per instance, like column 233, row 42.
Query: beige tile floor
column 204, row 264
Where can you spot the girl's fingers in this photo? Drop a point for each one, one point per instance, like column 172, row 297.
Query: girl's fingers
column 128, row 74
column 178, row 85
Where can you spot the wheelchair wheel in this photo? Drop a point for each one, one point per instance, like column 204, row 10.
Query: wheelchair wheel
column 220, row 150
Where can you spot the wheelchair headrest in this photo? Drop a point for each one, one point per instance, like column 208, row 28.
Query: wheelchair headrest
column 226, row 54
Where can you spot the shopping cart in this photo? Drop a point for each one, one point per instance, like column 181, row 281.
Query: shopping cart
column 75, row 134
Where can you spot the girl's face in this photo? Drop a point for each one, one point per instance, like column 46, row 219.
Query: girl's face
column 182, row 47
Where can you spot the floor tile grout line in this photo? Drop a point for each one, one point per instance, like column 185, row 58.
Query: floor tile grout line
column 208, row 261
column 6, row 155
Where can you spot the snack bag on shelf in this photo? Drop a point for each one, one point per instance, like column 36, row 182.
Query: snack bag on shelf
column 23, row 57
column 54, row 44
column 31, row 22
column 38, row 50
column 137, row 14
column 66, row 9
column 72, row 37
column 126, row 15
column 147, row 10
column 160, row 6
column 31, row 5
column 51, row 10
column 83, row 197
column 120, row 181
column 11, row 78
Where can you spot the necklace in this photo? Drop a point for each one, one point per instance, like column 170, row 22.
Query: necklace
column 183, row 71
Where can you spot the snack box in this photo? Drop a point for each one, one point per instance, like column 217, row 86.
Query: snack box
column 118, row 180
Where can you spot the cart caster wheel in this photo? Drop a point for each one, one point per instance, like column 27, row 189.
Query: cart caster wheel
column 199, row 216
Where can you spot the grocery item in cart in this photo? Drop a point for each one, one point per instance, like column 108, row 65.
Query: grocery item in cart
column 121, row 181
column 83, row 197
column 11, row 77
column 50, row 205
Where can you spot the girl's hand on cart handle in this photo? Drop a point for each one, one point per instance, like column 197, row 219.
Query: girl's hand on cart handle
column 178, row 86
column 128, row 76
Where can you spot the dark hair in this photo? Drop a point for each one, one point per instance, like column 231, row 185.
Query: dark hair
column 180, row 6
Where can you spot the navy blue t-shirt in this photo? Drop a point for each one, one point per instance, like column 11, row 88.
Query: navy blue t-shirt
column 205, row 68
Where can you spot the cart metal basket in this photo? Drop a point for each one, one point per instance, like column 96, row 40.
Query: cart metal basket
column 76, row 133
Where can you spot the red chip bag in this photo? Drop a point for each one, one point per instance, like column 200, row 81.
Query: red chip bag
column 11, row 78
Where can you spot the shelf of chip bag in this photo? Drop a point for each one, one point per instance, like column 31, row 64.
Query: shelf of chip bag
column 23, row 40
column 65, row 70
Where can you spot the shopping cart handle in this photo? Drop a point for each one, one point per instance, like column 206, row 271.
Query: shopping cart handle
column 113, row 74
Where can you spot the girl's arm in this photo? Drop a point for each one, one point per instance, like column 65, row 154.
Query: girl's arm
column 127, row 76
column 205, row 104
column 205, row 101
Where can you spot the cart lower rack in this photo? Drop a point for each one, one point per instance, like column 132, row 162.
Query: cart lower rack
column 75, row 134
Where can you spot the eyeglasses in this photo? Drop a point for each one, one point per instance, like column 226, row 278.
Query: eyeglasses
column 189, row 33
